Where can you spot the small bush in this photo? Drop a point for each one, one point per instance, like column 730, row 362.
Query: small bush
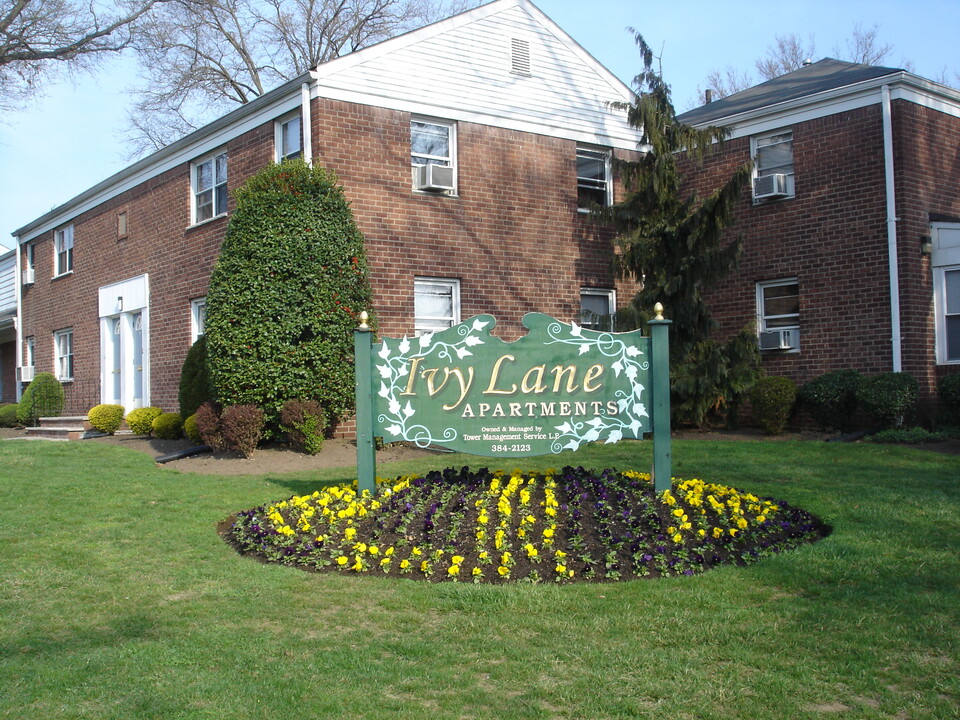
column 141, row 420
column 242, row 428
column 191, row 431
column 8, row 415
column 207, row 419
column 42, row 398
column 888, row 397
column 832, row 399
column 194, row 379
column 304, row 421
column 909, row 436
column 106, row 418
column 949, row 389
column 772, row 399
column 168, row 426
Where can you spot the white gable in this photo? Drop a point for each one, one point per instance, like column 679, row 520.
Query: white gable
column 461, row 69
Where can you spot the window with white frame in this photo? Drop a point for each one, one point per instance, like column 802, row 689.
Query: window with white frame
column 210, row 187
column 288, row 139
column 198, row 318
column 433, row 143
column 946, row 288
column 778, row 314
column 773, row 167
column 63, row 250
column 63, row 346
column 30, row 351
column 593, row 178
column 30, row 264
column 598, row 308
column 436, row 304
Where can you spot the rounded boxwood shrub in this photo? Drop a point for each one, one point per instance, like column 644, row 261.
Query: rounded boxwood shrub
column 304, row 422
column 106, row 418
column 191, row 431
column 888, row 397
column 949, row 390
column 286, row 293
column 141, row 420
column 832, row 399
column 168, row 426
column 772, row 399
column 42, row 398
column 194, row 379
column 8, row 415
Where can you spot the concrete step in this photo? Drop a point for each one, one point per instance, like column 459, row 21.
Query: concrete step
column 68, row 421
column 62, row 432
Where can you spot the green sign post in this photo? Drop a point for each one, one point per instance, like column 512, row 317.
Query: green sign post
column 560, row 386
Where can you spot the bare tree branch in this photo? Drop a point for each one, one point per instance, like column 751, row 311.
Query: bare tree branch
column 864, row 47
column 787, row 55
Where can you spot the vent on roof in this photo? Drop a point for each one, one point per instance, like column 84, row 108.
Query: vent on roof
column 520, row 57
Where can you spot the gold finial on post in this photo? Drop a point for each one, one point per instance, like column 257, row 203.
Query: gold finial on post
column 364, row 316
column 658, row 309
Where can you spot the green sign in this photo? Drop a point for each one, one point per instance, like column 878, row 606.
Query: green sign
column 556, row 388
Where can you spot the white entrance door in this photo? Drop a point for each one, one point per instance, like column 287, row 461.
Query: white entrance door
column 124, row 344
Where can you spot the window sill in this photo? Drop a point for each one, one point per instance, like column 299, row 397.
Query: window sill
column 62, row 275
column 773, row 201
column 437, row 193
column 207, row 221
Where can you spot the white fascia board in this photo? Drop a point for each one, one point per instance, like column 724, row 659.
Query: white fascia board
column 193, row 146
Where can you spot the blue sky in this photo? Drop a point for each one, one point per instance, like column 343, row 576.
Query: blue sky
column 74, row 136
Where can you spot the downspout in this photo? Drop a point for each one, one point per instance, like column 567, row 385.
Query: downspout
column 891, row 228
column 17, row 321
column 306, row 127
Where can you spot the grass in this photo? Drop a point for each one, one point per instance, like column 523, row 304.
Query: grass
column 118, row 600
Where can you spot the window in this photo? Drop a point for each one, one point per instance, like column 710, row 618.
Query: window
column 121, row 225
column 210, row 187
column 30, row 266
column 778, row 314
column 198, row 318
column 63, row 247
column 63, row 345
column 289, row 144
column 436, row 304
column 946, row 288
column 598, row 308
column 433, row 143
column 774, row 156
column 593, row 178
column 30, row 344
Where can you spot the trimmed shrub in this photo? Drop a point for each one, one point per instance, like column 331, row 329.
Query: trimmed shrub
column 242, row 428
column 141, row 420
column 832, row 399
column 949, row 390
column 208, row 426
column 888, row 397
column 42, row 398
column 8, row 415
column 194, row 379
column 191, row 431
column 907, row 436
column 285, row 295
column 168, row 426
column 304, row 422
column 106, row 418
column 772, row 399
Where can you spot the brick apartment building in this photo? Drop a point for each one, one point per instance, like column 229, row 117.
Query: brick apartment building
column 468, row 149
column 854, row 165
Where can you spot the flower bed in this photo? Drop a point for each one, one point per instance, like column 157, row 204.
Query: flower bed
column 493, row 527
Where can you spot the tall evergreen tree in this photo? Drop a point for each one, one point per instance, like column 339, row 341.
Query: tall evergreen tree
column 673, row 244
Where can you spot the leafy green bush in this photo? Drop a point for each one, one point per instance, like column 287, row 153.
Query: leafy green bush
column 141, row 420
column 207, row 419
column 772, row 399
column 909, row 436
column 106, row 418
column 304, row 422
column 194, row 379
column 949, row 389
column 168, row 426
column 8, row 415
column 242, row 428
column 832, row 399
column 190, row 429
column 285, row 295
column 888, row 397
column 42, row 398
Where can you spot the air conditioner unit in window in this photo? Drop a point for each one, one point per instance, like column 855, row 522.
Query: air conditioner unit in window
column 26, row 373
column 28, row 275
column 770, row 186
column 780, row 339
column 433, row 177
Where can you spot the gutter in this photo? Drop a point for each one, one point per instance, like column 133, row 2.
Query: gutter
column 892, row 259
column 18, row 284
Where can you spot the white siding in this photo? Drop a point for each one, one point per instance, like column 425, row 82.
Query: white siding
column 460, row 70
column 8, row 285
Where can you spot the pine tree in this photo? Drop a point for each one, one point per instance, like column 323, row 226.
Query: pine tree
column 674, row 245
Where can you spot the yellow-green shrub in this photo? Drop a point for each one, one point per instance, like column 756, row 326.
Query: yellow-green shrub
column 190, row 429
column 141, row 420
column 168, row 426
column 106, row 418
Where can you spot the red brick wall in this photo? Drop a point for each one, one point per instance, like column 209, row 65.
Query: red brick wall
column 512, row 236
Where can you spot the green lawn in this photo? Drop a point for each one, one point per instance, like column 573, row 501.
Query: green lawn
column 118, row 600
